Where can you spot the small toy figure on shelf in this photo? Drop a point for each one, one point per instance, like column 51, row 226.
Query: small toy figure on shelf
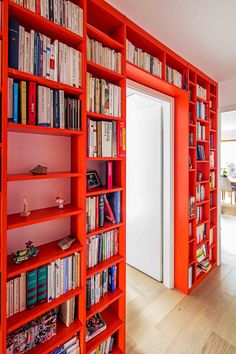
column 60, row 202
column 39, row 170
column 23, row 255
column 26, row 211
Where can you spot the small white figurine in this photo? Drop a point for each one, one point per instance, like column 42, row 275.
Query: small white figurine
column 60, row 202
column 26, row 211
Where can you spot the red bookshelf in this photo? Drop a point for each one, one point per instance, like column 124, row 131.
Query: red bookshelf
column 106, row 25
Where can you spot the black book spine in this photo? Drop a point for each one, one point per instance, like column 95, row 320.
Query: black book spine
column 56, row 109
column 88, row 294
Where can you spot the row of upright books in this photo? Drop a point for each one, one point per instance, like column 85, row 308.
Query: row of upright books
column 106, row 139
column 101, row 247
column 191, row 211
column 212, row 180
column 101, row 208
column 199, row 213
column 37, row 54
column 201, row 92
column 33, row 104
column 200, row 192
column 202, row 110
column 174, row 76
column 201, row 131
column 104, row 56
column 143, row 60
column 105, row 347
column 201, row 233
column 72, row 346
column 98, row 285
column 64, row 13
column 103, row 97
column 201, row 156
column 43, row 284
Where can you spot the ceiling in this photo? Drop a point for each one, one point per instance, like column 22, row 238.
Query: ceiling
column 201, row 31
column 228, row 121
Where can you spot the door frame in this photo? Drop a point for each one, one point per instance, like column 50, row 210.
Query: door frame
column 168, row 179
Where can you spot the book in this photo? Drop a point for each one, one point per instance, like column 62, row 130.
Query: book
column 32, row 103
column 23, row 292
column 174, row 77
column 109, row 174
column 112, row 278
column 13, row 46
column 108, row 212
column 94, row 326
column 16, row 295
column 114, row 201
column 15, row 102
column 42, row 284
column 31, row 289
column 10, row 99
column 23, row 102
column 67, row 311
column 121, row 139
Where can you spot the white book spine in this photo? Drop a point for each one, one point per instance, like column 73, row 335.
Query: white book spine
column 31, row 66
column 56, row 59
column 62, row 109
column 16, row 296
column 48, row 56
column 8, row 299
column 11, row 302
column 57, row 278
column 49, row 290
column 21, row 48
column 70, row 273
column 22, row 292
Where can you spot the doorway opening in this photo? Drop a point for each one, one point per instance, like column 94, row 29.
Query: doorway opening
column 228, row 187
column 150, row 183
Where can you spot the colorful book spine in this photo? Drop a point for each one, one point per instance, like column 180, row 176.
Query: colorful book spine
column 13, row 48
column 15, row 102
column 42, row 284
column 31, row 289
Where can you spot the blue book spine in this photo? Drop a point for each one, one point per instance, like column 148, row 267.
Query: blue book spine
column 35, row 52
column 101, row 210
column 41, row 56
column 13, row 48
column 66, row 265
column 31, row 288
column 38, row 55
column 15, row 102
column 99, row 249
column 112, row 278
column 56, row 113
column 114, row 200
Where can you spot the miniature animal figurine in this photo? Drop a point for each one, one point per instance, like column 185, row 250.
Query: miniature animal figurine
column 60, row 202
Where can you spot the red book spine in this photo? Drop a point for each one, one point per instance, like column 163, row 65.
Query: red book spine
column 97, row 213
column 121, row 139
column 37, row 7
column 109, row 174
column 32, row 104
column 108, row 211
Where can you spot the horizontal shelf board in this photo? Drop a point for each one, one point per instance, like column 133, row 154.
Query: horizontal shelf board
column 200, row 244
column 105, row 158
column 212, row 111
column 40, row 23
column 103, row 190
column 104, row 302
column 213, row 130
column 104, row 265
column 28, row 176
column 107, row 74
column 191, row 239
column 202, row 161
column 213, row 245
column 192, row 170
column 35, row 129
column 202, row 222
column 192, row 125
column 99, row 116
column 192, row 83
column 102, row 37
column 23, row 317
column 63, row 335
column 202, row 141
column 213, row 208
column 113, row 324
column 192, row 102
column 21, row 75
column 213, row 189
column 203, row 181
column 41, row 215
column 213, row 149
column 212, row 168
column 191, row 262
column 213, row 226
column 201, row 120
column 48, row 252
column 192, row 217
column 202, row 202
column 192, row 147
column 107, row 227
column 201, row 99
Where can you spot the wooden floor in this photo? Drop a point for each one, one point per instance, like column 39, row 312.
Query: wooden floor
column 166, row 321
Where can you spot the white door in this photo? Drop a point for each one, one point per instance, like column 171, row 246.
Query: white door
column 144, row 184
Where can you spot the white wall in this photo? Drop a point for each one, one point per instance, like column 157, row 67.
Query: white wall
column 227, row 95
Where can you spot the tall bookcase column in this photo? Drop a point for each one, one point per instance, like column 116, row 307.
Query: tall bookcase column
column 106, row 26
column 3, row 193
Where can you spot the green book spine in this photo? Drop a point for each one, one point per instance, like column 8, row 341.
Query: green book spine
column 42, row 283
column 31, row 288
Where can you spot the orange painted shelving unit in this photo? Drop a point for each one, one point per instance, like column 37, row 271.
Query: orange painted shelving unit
column 111, row 28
